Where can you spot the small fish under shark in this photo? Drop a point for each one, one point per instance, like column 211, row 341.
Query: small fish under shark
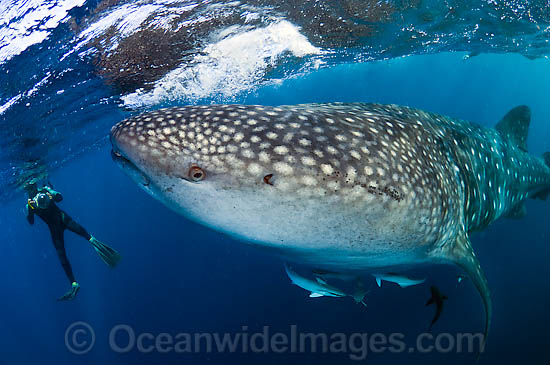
column 401, row 280
column 343, row 187
column 436, row 298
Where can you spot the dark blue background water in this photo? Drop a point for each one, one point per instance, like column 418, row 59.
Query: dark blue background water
column 177, row 276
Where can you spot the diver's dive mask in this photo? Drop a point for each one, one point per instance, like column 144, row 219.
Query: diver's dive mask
column 42, row 200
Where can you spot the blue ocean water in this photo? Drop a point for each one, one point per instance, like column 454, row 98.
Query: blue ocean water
column 177, row 276
column 180, row 277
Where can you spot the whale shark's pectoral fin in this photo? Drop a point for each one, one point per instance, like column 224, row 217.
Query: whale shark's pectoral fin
column 517, row 212
column 315, row 295
column 462, row 254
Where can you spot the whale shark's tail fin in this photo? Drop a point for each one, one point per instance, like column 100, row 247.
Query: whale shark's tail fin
column 514, row 126
column 461, row 253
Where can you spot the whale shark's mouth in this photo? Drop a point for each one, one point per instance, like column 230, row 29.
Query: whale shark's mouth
column 129, row 167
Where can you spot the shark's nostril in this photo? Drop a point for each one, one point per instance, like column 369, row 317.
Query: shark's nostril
column 115, row 154
column 129, row 167
column 145, row 180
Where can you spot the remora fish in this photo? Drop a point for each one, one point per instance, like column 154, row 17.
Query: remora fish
column 343, row 187
column 437, row 298
column 401, row 280
column 317, row 288
column 359, row 292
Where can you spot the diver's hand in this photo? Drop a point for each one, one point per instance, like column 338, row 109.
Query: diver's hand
column 49, row 190
column 71, row 294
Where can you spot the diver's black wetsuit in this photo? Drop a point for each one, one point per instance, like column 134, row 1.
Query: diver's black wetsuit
column 57, row 221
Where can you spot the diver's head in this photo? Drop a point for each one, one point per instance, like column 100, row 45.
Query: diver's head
column 42, row 200
column 30, row 188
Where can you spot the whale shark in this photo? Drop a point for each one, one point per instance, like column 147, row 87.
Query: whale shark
column 346, row 187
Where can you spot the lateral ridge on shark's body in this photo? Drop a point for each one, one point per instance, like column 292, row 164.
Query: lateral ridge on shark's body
column 341, row 187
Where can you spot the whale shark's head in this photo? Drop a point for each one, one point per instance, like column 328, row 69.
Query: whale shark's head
column 304, row 176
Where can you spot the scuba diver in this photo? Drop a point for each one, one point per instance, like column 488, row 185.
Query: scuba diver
column 42, row 202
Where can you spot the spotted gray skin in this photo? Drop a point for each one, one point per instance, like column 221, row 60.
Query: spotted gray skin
column 344, row 187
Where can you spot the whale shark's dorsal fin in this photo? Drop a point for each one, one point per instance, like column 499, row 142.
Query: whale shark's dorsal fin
column 514, row 126
column 461, row 253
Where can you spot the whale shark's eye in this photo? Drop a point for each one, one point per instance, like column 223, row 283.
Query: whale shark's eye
column 196, row 173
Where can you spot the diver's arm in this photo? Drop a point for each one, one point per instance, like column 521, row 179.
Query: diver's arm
column 30, row 214
column 57, row 197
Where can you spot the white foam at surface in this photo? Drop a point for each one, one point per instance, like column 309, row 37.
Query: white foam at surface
column 9, row 103
column 235, row 60
column 229, row 66
column 128, row 19
column 39, row 84
column 27, row 22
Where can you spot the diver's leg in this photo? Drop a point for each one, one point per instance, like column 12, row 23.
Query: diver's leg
column 72, row 226
column 59, row 244
column 109, row 255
